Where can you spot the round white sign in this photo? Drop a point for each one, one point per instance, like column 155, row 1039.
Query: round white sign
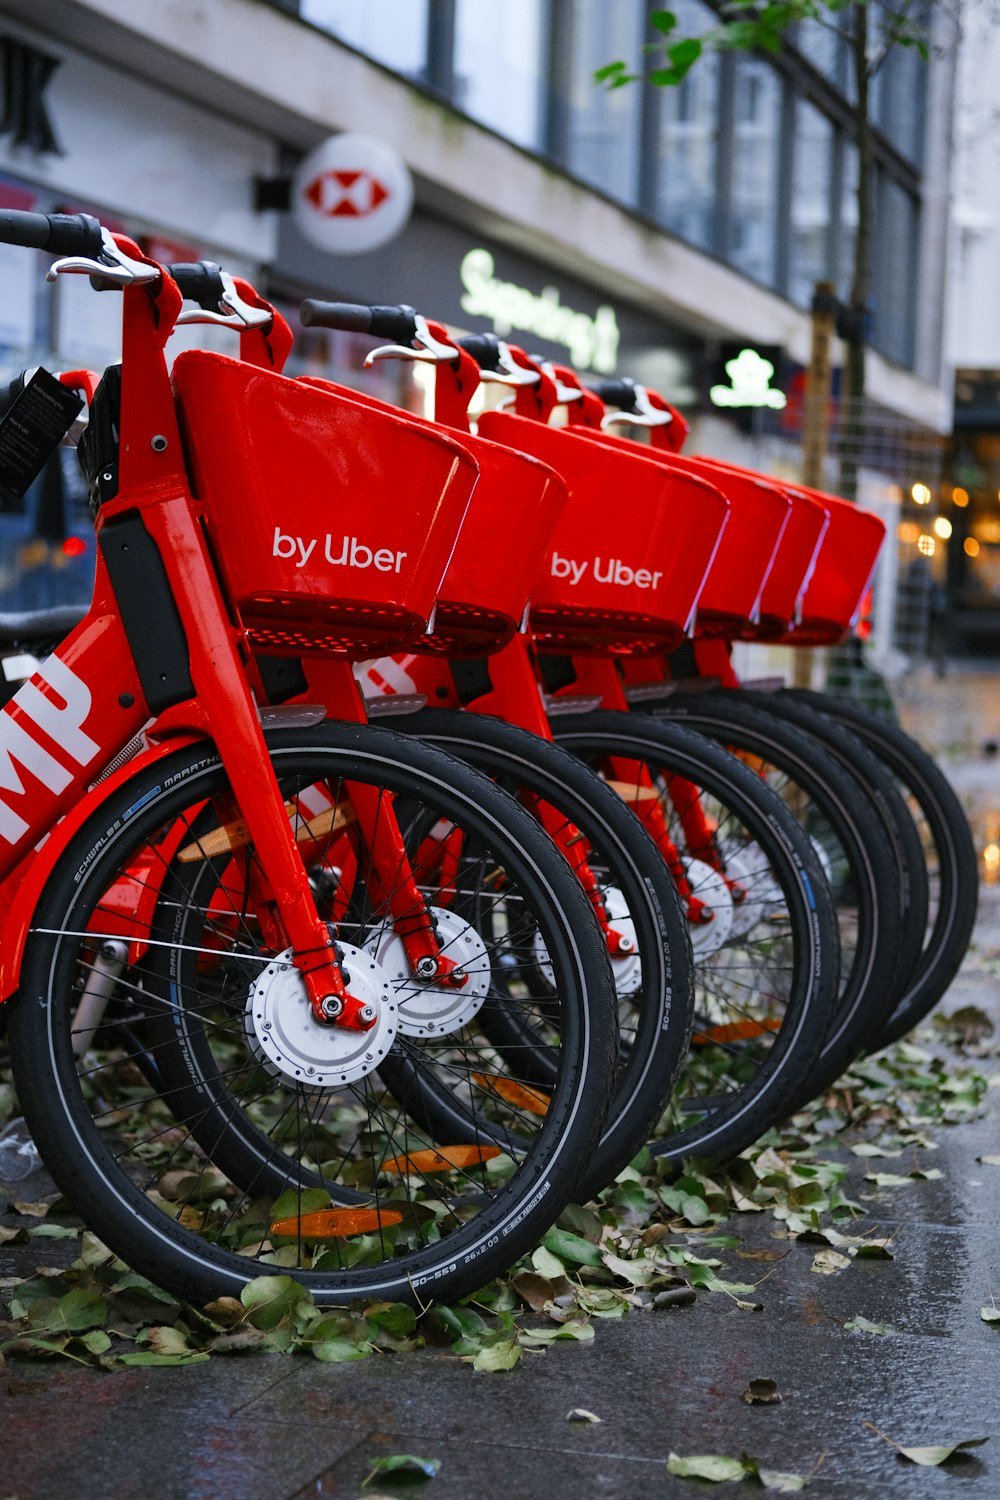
column 351, row 193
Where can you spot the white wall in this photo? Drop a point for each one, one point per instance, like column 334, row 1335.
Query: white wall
column 973, row 331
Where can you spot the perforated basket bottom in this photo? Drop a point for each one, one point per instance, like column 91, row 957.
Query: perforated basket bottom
column 282, row 627
column 598, row 633
column 718, row 626
column 462, row 631
column 818, row 633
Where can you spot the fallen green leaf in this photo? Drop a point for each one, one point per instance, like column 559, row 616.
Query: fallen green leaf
column 706, row 1466
column 829, row 1262
column 571, row 1247
column 929, row 1456
column 862, row 1325
column 404, row 1467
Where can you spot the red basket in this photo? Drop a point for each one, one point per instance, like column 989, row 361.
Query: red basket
column 332, row 520
column 793, row 558
column 514, row 510
column 507, row 527
column 630, row 551
column 792, row 568
column 843, row 570
column 759, row 511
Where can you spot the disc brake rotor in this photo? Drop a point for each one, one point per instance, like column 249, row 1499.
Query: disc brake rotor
column 626, row 967
column 708, row 885
column 425, row 1008
column 290, row 1043
column 763, row 897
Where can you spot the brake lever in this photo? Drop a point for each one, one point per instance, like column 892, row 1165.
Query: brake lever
column 430, row 350
column 641, row 414
column 114, row 266
column 564, row 393
column 507, row 371
column 240, row 314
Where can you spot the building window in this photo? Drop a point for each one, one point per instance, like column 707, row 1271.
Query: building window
column 754, row 194
column 393, row 32
column 810, row 249
column 687, row 142
column 824, row 44
column 894, row 270
column 602, row 126
column 899, row 101
column 498, row 66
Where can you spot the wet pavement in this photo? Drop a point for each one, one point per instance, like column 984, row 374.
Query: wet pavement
column 267, row 1428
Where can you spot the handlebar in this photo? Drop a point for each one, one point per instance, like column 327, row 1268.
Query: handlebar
column 485, row 349
column 620, row 393
column 396, row 323
column 59, row 234
column 199, row 281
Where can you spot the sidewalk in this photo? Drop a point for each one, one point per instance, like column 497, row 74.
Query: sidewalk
column 267, row 1428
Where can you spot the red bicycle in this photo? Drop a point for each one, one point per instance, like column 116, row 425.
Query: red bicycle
column 187, row 875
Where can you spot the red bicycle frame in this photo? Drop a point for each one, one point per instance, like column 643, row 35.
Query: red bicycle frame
column 98, row 690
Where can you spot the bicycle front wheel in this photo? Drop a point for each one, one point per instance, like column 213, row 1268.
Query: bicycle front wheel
column 765, row 963
column 209, row 1132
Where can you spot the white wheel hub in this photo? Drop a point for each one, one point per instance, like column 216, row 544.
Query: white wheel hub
column 424, row 1007
column 764, row 898
column 626, row 967
column 708, row 886
column 291, row 1043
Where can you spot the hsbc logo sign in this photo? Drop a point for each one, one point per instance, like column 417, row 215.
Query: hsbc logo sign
column 351, row 194
column 346, row 195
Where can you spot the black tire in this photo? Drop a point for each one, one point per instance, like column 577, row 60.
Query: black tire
column 851, row 751
column 845, row 822
column 120, row 1145
column 946, row 837
column 764, row 997
column 656, row 995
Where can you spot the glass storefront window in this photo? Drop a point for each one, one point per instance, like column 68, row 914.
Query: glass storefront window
column 688, row 140
column 498, row 66
column 393, row 32
column 602, row 124
column 847, row 221
column 753, row 209
column 894, row 270
column 822, row 42
column 899, row 100
column 812, row 172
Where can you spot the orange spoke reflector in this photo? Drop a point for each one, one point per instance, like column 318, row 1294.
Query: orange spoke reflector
column 336, row 1223
column 236, row 835
column 533, row 1100
column 441, row 1161
column 631, row 793
column 736, row 1031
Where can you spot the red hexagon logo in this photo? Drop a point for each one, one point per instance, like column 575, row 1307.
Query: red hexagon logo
column 345, row 195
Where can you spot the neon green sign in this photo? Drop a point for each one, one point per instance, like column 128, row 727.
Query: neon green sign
column 750, row 383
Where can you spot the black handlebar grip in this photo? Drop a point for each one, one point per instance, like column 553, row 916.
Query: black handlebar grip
column 484, row 348
column 199, row 281
column 396, row 323
column 60, row 234
column 620, row 393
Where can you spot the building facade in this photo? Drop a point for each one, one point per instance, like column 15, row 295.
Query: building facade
column 640, row 231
